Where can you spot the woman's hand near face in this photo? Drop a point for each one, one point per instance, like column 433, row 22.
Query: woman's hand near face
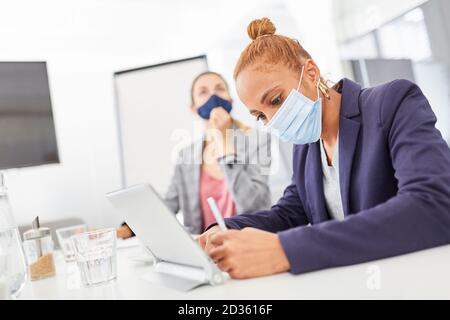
column 248, row 253
column 221, row 142
column 221, row 120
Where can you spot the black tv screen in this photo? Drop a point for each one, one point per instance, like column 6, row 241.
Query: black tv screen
column 27, row 130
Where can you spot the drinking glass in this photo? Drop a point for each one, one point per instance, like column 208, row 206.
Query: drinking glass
column 65, row 242
column 95, row 254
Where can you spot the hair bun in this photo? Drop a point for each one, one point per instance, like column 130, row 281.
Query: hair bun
column 261, row 27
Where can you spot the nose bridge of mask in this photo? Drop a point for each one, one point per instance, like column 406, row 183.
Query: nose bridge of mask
column 284, row 113
column 287, row 113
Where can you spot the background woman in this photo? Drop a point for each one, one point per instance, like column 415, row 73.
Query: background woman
column 230, row 164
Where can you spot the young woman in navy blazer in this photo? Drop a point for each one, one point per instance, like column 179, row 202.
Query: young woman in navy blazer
column 394, row 170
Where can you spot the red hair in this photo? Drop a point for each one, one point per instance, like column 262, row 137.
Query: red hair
column 270, row 49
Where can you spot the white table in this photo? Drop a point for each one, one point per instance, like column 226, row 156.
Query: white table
column 422, row 275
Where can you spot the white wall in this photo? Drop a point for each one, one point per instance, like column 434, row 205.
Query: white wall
column 84, row 42
column 436, row 91
column 355, row 17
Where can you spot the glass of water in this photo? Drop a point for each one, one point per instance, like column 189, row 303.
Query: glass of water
column 65, row 242
column 13, row 268
column 95, row 254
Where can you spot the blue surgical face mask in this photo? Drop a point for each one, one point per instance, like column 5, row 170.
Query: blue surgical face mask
column 299, row 120
column 214, row 102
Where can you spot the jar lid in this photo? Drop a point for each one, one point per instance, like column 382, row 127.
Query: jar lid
column 36, row 233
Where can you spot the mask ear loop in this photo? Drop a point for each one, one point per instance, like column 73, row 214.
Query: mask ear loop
column 301, row 79
column 300, row 83
column 318, row 90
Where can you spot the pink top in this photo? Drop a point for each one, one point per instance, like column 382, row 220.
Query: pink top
column 218, row 190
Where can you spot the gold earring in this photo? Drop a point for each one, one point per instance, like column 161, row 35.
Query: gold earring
column 325, row 91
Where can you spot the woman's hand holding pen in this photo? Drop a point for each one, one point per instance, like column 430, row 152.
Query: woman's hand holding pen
column 204, row 240
column 245, row 254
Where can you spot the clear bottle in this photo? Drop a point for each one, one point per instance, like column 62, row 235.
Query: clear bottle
column 6, row 216
column 38, row 245
column 13, row 270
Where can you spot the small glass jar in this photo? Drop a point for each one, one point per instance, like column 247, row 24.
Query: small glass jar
column 38, row 246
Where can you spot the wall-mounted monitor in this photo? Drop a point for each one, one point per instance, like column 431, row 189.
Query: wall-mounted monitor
column 27, row 129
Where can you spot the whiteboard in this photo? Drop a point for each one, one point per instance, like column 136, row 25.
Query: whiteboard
column 153, row 104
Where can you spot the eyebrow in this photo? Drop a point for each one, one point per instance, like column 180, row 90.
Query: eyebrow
column 263, row 98
column 219, row 85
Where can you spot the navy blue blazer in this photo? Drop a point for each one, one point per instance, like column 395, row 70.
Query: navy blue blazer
column 395, row 185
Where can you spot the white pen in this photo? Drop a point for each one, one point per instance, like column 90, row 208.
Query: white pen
column 215, row 210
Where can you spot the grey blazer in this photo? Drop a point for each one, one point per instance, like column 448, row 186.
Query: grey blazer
column 246, row 175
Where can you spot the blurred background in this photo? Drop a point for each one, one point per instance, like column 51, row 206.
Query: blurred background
column 84, row 42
